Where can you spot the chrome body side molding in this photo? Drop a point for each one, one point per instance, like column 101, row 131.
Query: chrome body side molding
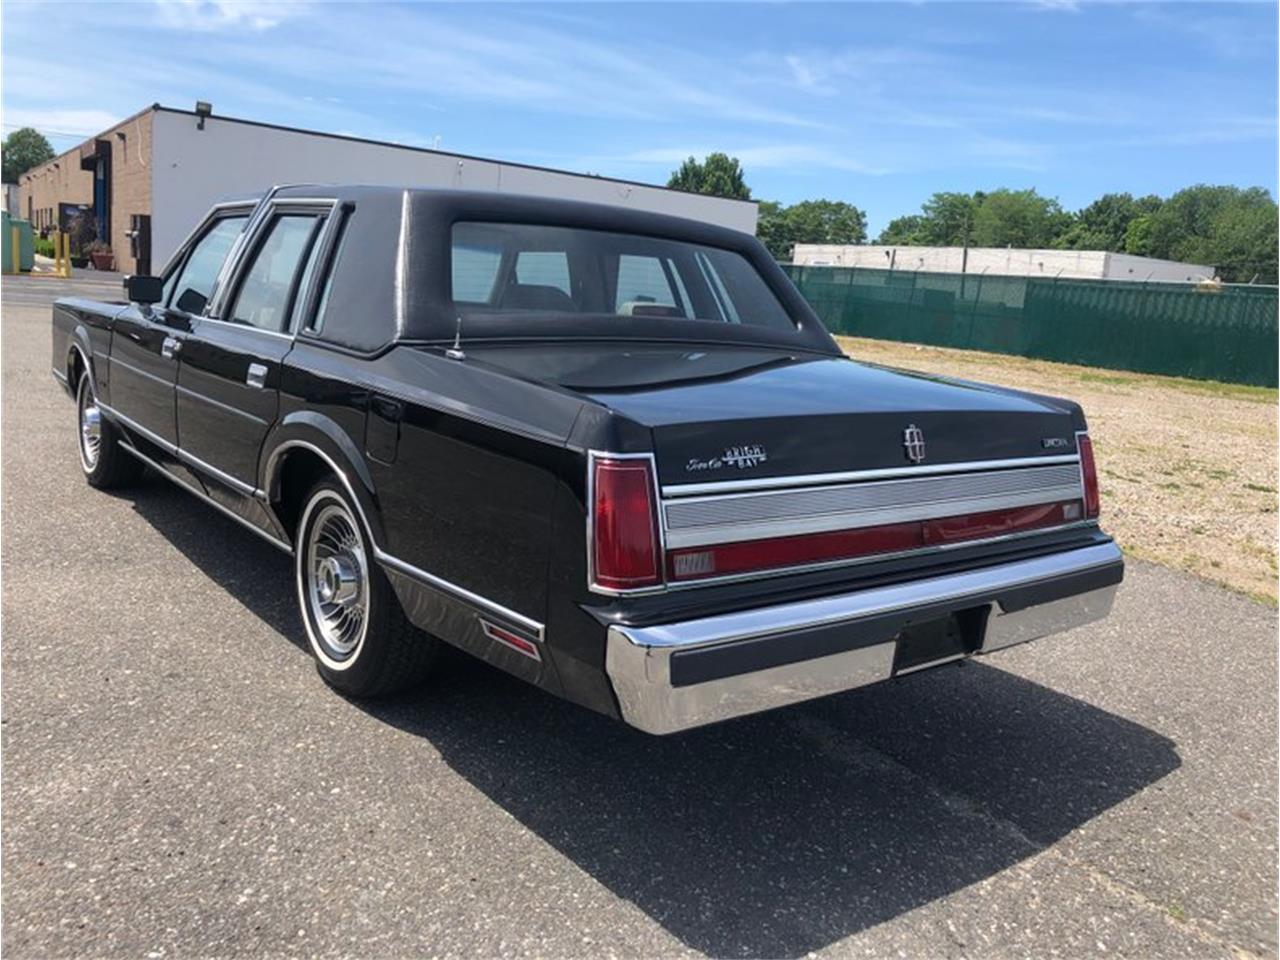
column 239, row 486
column 274, row 541
column 639, row 660
column 757, row 515
column 474, row 600
column 856, row 476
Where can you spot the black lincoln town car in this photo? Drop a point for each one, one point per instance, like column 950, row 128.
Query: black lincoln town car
column 613, row 453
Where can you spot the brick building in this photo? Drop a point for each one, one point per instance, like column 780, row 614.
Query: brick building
column 107, row 175
column 151, row 177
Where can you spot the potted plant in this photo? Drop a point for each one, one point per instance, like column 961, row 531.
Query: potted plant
column 101, row 255
column 83, row 229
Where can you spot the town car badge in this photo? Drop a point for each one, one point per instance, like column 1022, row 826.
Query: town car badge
column 751, row 455
column 913, row 443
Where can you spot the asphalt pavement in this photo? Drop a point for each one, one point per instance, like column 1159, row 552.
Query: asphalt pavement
column 177, row 781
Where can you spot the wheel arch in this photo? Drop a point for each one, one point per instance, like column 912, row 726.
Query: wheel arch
column 78, row 360
column 302, row 449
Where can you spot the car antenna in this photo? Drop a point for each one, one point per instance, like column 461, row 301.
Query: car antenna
column 455, row 352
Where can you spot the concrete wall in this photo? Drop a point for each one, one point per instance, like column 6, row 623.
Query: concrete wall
column 1000, row 261
column 194, row 168
column 1124, row 266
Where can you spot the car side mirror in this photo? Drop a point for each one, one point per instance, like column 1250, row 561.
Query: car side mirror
column 192, row 302
column 146, row 290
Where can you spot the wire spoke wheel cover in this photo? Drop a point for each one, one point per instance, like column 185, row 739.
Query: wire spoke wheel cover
column 90, row 423
column 334, row 580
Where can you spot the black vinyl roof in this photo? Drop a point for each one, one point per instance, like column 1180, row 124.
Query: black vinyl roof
column 392, row 280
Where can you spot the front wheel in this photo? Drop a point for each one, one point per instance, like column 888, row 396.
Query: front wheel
column 363, row 643
column 102, row 458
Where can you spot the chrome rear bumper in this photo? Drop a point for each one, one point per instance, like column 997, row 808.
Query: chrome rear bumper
column 676, row 676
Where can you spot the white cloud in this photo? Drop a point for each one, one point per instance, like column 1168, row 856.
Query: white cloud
column 220, row 14
column 61, row 121
column 786, row 156
column 1057, row 6
column 433, row 57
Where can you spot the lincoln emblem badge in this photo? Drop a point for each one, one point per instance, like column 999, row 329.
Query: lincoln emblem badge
column 913, row 443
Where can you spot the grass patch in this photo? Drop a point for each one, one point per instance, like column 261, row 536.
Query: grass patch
column 1110, row 379
column 1229, row 391
column 1183, row 482
column 858, row 348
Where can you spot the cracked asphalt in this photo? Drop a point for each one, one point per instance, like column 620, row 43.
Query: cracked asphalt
column 177, row 781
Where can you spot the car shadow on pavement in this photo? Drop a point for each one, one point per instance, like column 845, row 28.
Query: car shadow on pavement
column 772, row 835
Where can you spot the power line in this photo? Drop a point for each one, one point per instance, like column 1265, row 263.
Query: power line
column 47, row 131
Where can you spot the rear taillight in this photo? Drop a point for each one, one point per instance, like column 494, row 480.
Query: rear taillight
column 756, row 555
column 1092, row 504
column 624, row 520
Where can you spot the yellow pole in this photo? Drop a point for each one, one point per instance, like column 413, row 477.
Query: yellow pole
column 57, row 254
column 66, row 254
column 15, row 237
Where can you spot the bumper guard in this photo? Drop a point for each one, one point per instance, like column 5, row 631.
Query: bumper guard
column 676, row 676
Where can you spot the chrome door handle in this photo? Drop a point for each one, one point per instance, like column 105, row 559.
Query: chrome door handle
column 257, row 375
column 170, row 347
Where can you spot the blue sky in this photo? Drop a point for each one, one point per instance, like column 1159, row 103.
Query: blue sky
column 879, row 104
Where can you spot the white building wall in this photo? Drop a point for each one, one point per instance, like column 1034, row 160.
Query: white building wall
column 194, row 168
column 1124, row 266
column 1000, row 261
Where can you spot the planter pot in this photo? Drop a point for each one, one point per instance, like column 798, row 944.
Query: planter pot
column 103, row 261
column 79, row 262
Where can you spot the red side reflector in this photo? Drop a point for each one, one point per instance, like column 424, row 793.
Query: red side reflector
column 1092, row 502
column 509, row 639
column 624, row 540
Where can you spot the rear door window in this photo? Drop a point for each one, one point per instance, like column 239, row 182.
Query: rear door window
column 267, row 293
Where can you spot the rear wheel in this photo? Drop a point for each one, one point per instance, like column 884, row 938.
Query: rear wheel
column 103, row 459
column 363, row 643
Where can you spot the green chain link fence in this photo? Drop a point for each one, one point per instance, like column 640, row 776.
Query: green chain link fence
column 1209, row 332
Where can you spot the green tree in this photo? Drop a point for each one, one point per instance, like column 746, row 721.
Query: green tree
column 902, row 231
column 948, row 218
column 1244, row 243
column 810, row 221
column 1137, row 236
column 774, row 229
column 1105, row 223
column 718, row 175
column 22, row 150
column 827, row 221
column 1227, row 227
column 1020, row 218
column 1017, row 218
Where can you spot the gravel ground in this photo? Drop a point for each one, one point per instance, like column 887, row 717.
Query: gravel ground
column 1187, row 468
column 179, row 783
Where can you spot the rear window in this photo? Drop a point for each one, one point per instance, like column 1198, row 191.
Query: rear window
column 513, row 268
